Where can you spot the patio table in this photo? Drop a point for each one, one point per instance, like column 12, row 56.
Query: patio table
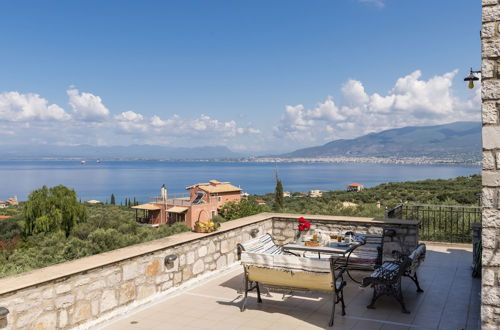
column 333, row 248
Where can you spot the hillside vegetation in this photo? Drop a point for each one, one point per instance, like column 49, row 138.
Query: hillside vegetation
column 38, row 233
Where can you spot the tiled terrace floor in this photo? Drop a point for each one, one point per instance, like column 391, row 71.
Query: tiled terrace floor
column 450, row 301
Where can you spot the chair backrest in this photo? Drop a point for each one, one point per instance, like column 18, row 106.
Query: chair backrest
column 260, row 244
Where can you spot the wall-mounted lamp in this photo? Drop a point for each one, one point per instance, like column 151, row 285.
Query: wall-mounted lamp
column 254, row 232
column 3, row 317
column 472, row 77
column 169, row 260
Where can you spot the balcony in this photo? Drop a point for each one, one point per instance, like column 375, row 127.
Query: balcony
column 193, row 280
column 450, row 301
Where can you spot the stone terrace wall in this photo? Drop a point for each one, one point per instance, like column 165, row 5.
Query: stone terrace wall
column 490, row 36
column 88, row 291
column 92, row 295
column 406, row 239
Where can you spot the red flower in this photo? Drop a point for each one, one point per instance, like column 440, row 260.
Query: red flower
column 301, row 227
column 302, row 220
column 307, row 225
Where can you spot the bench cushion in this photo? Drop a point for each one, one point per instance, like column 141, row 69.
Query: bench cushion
column 285, row 262
column 262, row 244
column 387, row 272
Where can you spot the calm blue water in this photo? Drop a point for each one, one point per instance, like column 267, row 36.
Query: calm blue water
column 141, row 179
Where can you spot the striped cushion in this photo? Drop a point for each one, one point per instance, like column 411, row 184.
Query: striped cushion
column 262, row 244
column 285, row 262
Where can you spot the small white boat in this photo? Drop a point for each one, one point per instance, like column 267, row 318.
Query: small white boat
column 83, row 162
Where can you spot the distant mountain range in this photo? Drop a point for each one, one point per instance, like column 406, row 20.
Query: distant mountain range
column 456, row 140
column 115, row 152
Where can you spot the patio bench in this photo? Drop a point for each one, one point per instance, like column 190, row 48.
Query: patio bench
column 290, row 272
column 386, row 279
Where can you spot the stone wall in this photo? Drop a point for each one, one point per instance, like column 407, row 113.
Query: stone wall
column 490, row 77
column 90, row 297
column 405, row 240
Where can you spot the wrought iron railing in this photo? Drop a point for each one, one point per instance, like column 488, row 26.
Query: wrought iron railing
column 441, row 223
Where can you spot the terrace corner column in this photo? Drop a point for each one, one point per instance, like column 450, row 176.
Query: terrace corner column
column 490, row 93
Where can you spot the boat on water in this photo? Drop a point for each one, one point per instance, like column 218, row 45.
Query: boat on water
column 83, row 162
column 98, row 161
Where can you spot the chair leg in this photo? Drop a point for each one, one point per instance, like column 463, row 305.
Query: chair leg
column 246, row 294
column 399, row 297
column 415, row 280
column 334, row 302
column 375, row 296
column 342, row 301
column 259, row 300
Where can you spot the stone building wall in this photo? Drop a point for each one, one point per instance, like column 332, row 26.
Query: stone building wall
column 490, row 76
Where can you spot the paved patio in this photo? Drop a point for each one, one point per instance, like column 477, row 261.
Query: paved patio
column 451, row 301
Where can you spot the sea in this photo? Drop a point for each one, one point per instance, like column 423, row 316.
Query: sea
column 143, row 179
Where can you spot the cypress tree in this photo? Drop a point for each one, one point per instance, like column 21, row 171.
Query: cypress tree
column 113, row 202
column 278, row 193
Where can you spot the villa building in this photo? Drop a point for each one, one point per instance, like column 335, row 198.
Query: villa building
column 201, row 204
column 355, row 187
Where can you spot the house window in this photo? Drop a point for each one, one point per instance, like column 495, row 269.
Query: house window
column 219, row 199
column 213, row 214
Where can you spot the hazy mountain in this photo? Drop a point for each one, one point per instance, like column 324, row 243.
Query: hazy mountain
column 115, row 152
column 459, row 139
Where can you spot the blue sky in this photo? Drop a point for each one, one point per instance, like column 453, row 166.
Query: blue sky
column 256, row 76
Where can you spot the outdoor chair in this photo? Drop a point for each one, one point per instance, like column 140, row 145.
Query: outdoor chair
column 289, row 272
column 386, row 280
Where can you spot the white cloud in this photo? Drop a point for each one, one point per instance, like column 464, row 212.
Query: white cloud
column 412, row 101
column 87, row 106
column 131, row 122
column 19, row 107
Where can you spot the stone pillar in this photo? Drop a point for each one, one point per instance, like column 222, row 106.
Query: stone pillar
column 490, row 39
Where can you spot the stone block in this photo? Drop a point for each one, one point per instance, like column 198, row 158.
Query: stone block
column 65, row 301
column 221, row 262
column 166, row 285
column 488, row 68
column 113, row 279
column 491, row 295
column 491, row 14
column 488, row 277
column 211, row 247
column 198, row 267
column 491, row 218
column 82, row 312
column 489, row 197
column 127, row 292
column 490, row 258
column 225, row 247
column 491, row 178
column 177, row 278
column 186, row 273
column 46, row 321
column 190, row 258
column 130, row 270
column 48, row 293
column 202, row 251
column 63, row 318
column 94, row 304
column 28, row 318
column 489, row 112
column 488, row 160
column 96, row 285
column 146, row 291
column 490, row 89
column 108, row 300
column 488, row 30
column 153, row 268
column 63, row 288
column 82, row 281
column 489, row 2
column 490, row 238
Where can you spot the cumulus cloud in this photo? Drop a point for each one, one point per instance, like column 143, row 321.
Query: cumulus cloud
column 17, row 107
column 411, row 101
column 131, row 122
column 87, row 106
